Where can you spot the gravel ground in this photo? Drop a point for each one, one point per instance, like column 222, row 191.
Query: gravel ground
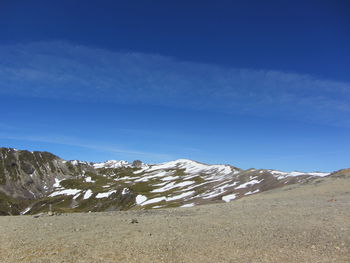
column 302, row 223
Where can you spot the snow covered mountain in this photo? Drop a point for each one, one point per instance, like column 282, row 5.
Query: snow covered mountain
column 33, row 182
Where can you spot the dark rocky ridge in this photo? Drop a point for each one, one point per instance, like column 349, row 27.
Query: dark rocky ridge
column 30, row 175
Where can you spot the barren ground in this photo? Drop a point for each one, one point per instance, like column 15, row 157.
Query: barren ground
column 301, row 223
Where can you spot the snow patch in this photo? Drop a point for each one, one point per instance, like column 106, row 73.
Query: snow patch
column 25, row 211
column 228, row 198
column 107, row 194
column 170, row 178
column 125, row 191
column 176, row 197
column 163, row 198
column 251, row 182
column 65, row 192
column 89, row 180
column 154, row 200
column 154, row 175
column 218, row 191
column 74, row 162
column 87, row 194
column 57, row 183
column 252, row 192
column 140, row 199
column 188, row 205
column 172, row 185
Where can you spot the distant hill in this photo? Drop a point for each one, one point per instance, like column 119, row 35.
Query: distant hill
column 34, row 182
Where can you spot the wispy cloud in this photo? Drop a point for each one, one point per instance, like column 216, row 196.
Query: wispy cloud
column 63, row 140
column 65, row 70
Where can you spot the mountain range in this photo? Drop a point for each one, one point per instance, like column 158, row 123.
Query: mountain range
column 37, row 182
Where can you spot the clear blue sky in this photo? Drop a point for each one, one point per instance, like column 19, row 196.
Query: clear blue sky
column 262, row 84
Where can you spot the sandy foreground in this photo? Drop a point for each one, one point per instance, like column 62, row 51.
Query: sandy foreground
column 302, row 223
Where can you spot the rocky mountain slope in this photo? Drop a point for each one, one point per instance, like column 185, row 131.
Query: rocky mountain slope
column 34, row 182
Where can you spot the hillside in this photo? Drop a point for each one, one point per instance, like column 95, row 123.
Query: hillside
column 35, row 182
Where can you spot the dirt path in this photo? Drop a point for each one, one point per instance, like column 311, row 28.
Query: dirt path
column 308, row 223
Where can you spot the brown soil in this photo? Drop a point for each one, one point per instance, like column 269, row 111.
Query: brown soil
column 301, row 223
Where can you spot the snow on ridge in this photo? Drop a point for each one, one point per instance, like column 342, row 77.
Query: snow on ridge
column 76, row 162
column 112, row 164
column 319, row 174
column 282, row 175
column 117, row 164
column 152, row 175
column 192, row 167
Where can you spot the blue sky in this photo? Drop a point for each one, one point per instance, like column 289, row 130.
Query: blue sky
column 250, row 84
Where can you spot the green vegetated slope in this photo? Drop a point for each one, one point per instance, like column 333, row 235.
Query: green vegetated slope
column 35, row 182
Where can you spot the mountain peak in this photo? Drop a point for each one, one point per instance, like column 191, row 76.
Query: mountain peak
column 31, row 181
column 112, row 164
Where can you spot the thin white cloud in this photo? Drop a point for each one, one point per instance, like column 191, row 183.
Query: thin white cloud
column 63, row 140
column 68, row 71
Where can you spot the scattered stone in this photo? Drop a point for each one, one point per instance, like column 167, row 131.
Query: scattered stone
column 134, row 221
column 39, row 215
column 50, row 213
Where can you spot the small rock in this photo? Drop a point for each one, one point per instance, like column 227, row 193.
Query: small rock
column 134, row 221
column 39, row 215
column 50, row 213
